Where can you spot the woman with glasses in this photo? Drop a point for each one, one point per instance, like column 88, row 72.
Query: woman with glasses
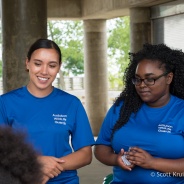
column 142, row 135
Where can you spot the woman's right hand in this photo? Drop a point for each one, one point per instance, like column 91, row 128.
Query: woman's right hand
column 45, row 179
column 51, row 166
column 106, row 155
column 121, row 163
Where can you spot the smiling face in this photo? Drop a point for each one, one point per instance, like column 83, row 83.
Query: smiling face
column 43, row 67
column 158, row 94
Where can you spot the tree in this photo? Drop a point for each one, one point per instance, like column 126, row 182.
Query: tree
column 1, row 67
column 68, row 35
column 118, row 50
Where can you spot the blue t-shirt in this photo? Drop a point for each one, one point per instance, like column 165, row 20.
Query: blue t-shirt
column 159, row 131
column 55, row 124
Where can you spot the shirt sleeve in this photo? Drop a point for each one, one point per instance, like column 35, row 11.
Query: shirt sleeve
column 110, row 119
column 82, row 134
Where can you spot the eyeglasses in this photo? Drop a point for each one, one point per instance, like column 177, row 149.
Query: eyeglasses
column 147, row 81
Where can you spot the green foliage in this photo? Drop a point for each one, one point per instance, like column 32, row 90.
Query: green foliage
column 118, row 49
column 68, row 35
column 73, row 58
column 1, row 68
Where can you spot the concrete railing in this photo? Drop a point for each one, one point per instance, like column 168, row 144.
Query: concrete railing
column 75, row 86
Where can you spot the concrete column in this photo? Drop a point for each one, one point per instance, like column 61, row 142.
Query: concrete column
column 140, row 28
column 23, row 21
column 95, row 69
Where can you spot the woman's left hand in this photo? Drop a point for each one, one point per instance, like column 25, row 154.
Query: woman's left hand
column 140, row 157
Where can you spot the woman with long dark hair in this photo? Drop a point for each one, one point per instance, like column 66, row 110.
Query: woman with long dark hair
column 54, row 120
column 142, row 135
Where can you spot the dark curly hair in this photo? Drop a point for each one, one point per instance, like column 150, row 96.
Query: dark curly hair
column 171, row 60
column 18, row 159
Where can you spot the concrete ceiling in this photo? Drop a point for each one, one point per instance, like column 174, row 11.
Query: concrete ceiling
column 95, row 9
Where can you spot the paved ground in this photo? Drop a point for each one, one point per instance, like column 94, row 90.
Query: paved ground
column 94, row 173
